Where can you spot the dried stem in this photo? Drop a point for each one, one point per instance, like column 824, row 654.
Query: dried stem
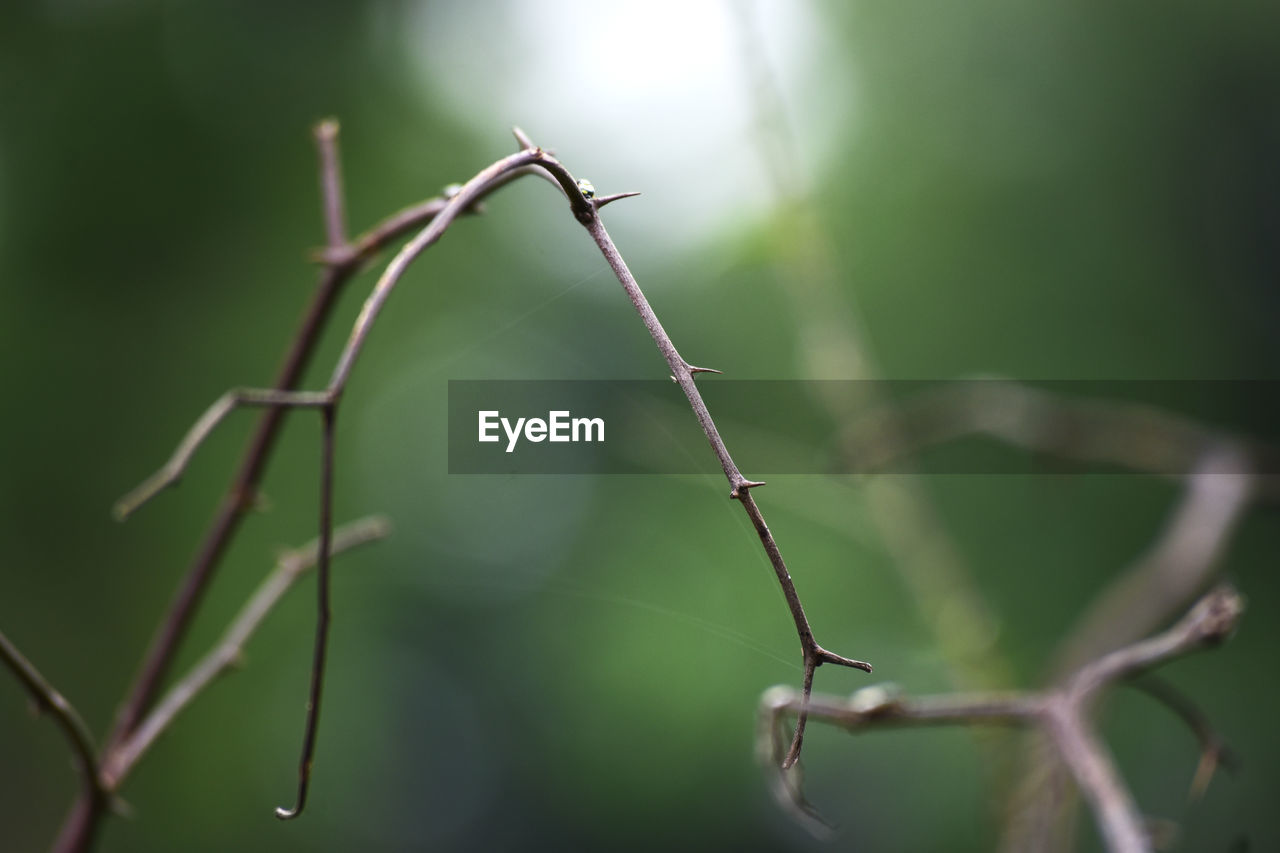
column 585, row 210
column 327, row 401
column 1214, row 751
column 323, row 615
column 135, row 729
column 335, row 215
column 341, row 266
column 46, row 698
column 1177, row 567
column 223, row 406
column 1061, row 713
column 342, row 263
column 739, row 486
column 229, row 651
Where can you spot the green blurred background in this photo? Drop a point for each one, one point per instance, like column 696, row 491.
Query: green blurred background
column 1054, row 190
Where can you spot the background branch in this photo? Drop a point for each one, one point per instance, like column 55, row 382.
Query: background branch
column 1061, row 713
column 1182, row 561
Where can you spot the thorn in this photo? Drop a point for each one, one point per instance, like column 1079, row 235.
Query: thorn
column 825, row 656
column 742, row 487
column 607, row 199
column 286, row 814
column 694, row 369
column 525, row 144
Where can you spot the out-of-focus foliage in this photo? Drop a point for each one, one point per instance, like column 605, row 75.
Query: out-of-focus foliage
column 1051, row 190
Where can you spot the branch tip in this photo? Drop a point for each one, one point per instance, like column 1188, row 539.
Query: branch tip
column 1218, row 613
column 526, row 144
column 326, row 130
column 825, row 656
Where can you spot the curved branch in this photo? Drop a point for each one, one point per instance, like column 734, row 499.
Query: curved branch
column 46, row 698
column 343, row 260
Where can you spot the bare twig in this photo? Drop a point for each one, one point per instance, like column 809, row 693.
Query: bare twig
column 1210, row 621
column 1062, row 713
column 290, row 567
column 327, row 401
column 335, row 215
column 81, row 824
column 323, row 616
column 242, row 491
column 1177, row 567
column 223, row 406
column 1214, row 750
column 341, row 265
column 739, row 486
column 46, row 698
column 584, row 207
column 1119, row 821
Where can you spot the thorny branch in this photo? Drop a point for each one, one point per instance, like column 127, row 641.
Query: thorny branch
column 1061, row 713
column 585, row 207
column 141, row 720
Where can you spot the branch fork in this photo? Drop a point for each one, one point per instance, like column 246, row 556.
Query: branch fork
column 1062, row 713
column 137, row 722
